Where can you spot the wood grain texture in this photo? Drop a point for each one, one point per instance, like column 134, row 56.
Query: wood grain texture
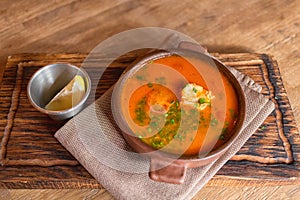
column 270, row 26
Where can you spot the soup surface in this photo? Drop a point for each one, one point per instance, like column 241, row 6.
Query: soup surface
column 180, row 105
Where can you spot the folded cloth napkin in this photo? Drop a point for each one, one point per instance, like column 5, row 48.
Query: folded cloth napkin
column 94, row 139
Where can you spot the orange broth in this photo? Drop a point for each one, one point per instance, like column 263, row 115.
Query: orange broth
column 154, row 112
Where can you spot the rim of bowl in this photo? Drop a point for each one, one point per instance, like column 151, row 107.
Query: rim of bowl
column 60, row 112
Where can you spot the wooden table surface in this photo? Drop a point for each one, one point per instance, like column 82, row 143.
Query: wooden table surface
column 70, row 26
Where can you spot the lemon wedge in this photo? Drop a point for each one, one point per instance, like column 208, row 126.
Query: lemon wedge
column 69, row 96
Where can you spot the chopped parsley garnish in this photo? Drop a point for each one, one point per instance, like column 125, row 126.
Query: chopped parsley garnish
column 177, row 104
column 140, row 78
column 202, row 100
column 172, row 121
column 224, row 131
column 263, row 127
column 232, row 113
column 161, row 80
column 214, row 122
column 141, row 115
column 222, row 137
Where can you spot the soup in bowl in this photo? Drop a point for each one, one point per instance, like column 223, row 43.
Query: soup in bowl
column 182, row 108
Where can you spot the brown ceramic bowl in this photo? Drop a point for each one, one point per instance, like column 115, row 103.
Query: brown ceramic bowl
column 164, row 166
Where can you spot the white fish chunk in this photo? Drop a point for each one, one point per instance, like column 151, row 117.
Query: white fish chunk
column 196, row 95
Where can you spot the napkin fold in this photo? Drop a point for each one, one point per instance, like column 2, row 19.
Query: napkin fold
column 95, row 140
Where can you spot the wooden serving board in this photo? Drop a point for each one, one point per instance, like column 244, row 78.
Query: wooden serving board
column 31, row 157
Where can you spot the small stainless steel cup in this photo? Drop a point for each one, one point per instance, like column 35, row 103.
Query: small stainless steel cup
column 48, row 81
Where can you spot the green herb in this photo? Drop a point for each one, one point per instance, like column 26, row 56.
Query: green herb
column 172, row 121
column 214, row 122
column 232, row 113
column 161, row 80
column 178, row 136
column 157, row 143
column 194, row 112
column 226, row 124
column 195, row 90
column 165, row 134
column 153, row 124
column 140, row 77
column 150, row 85
column 263, row 127
column 224, row 131
column 202, row 118
column 202, row 100
column 222, row 137
column 151, row 62
column 141, row 115
column 140, row 136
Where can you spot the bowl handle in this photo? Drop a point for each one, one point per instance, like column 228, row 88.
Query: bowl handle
column 192, row 46
column 167, row 172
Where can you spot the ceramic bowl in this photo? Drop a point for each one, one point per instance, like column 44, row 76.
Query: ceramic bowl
column 175, row 171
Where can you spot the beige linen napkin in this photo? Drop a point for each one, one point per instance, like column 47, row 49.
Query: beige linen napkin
column 83, row 140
